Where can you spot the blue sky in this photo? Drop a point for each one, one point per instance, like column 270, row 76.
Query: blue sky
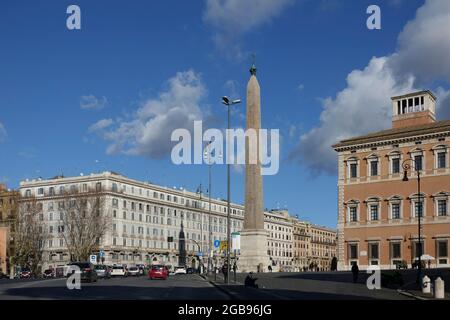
column 105, row 97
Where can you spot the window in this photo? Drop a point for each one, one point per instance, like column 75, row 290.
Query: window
column 396, row 250
column 395, row 207
column 418, row 163
column 353, row 251
column 395, row 165
column 373, row 251
column 374, row 168
column 442, row 208
column 417, row 249
column 441, row 160
column 418, row 209
column 114, row 187
column 353, row 170
column 373, row 212
column 442, row 251
column 353, row 214
column 41, row 191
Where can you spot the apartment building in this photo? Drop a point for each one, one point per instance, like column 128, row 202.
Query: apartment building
column 378, row 210
column 144, row 217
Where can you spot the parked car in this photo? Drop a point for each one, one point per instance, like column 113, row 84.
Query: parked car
column 158, row 272
column 180, row 270
column 133, row 271
column 119, row 270
column 190, row 270
column 103, row 271
column 48, row 273
column 86, row 270
column 25, row 273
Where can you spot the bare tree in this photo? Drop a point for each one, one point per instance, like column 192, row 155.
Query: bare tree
column 30, row 234
column 85, row 222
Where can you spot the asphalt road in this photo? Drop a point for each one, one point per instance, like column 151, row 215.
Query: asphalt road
column 180, row 287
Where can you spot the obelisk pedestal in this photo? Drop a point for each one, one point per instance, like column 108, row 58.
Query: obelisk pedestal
column 253, row 252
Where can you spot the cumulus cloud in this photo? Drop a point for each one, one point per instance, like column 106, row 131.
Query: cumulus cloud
column 424, row 44
column 2, row 133
column 100, row 125
column 364, row 105
column 233, row 18
column 91, row 102
column 148, row 130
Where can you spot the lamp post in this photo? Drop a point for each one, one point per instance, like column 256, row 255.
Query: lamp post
column 406, row 166
column 226, row 101
column 200, row 247
column 207, row 155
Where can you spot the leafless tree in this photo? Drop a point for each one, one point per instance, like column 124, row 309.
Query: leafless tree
column 85, row 222
column 30, row 234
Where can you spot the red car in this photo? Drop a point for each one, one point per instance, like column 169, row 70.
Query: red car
column 158, row 272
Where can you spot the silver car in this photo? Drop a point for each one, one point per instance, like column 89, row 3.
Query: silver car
column 103, row 271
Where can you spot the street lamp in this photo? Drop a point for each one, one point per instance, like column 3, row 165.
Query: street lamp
column 226, row 101
column 207, row 155
column 406, row 166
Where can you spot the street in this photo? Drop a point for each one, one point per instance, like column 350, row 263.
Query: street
column 272, row 286
column 183, row 287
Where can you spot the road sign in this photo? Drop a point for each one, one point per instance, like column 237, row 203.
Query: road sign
column 93, row 258
column 223, row 245
column 216, row 243
column 101, row 253
column 200, row 254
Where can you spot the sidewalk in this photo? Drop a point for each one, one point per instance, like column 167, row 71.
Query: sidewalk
column 288, row 286
column 237, row 290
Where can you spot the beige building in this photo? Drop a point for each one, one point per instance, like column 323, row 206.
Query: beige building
column 314, row 246
column 378, row 212
column 144, row 216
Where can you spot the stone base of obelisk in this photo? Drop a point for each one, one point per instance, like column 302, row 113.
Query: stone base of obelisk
column 253, row 252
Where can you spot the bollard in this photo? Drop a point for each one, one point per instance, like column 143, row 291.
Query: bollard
column 426, row 285
column 439, row 286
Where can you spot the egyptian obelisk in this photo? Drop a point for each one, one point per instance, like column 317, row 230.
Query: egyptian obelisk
column 253, row 254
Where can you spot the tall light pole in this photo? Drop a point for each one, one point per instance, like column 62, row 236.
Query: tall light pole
column 200, row 248
column 406, row 166
column 207, row 155
column 226, row 101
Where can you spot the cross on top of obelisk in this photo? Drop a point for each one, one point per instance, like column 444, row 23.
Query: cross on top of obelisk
column 253, row 67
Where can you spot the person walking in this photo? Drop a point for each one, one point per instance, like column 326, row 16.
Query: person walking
column 270, row 268
column 225, row 271
column 355, row 272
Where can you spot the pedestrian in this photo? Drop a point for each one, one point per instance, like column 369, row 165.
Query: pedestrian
column 234, row 267
column 225, row 272
column 270, row 268
column 355, row 272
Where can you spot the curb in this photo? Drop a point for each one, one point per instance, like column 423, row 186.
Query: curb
column 411, row 295
column 228, row 293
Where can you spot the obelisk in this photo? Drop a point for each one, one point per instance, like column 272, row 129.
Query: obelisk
column 253, row 254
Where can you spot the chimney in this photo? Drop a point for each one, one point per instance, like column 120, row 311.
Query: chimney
column 413, row 109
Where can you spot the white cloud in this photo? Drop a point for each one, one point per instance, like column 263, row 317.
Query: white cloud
column 424, row 44
column 100, row 125
column 148, row 130
column 233, row 18
column 91, row 102
column 364, row 105
column 2, row 133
